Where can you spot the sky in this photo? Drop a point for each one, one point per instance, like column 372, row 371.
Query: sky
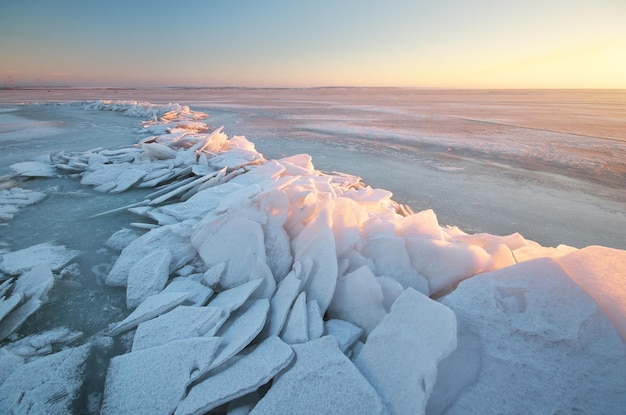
column 309, row 43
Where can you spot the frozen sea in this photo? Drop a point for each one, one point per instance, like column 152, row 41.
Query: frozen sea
column 550, row 165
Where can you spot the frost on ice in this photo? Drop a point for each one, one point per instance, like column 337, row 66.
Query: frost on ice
column 250, row 279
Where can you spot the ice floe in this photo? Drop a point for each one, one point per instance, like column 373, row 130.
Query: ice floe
column 322, row 380
column 46, row 385
column 271, row 287
column 23, row 294
column 16, row 198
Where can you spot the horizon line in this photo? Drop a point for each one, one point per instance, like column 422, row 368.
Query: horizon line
column 122, row 88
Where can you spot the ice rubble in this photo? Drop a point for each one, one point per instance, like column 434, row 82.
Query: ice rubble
column 353, row 284
column 26, row 277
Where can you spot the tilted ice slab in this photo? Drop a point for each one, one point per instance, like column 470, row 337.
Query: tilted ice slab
column 153, row 380
column 601, row 273
column 321, row 381
column 245, row 374
column 16, row 198
column 28, row 293
column 151, row 307
column 181, row 323
column 47, row 385
column 174, row 238
column 56, row 256
column 400, row 356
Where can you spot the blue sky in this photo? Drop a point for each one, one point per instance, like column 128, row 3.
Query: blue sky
column 446, row 43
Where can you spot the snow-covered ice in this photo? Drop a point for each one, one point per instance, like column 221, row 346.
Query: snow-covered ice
column 154, row 380
column 56, row 256
column 401, row 354
column 530, row 338
column 46, row 385
column 244, row 375
column 238, row 262
column 322, row 380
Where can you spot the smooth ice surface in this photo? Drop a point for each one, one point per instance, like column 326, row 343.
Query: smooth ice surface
column 321, row 381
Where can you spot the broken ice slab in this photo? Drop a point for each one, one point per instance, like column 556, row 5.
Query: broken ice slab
column 232, row 299
column 321, row 381
column 40, row 344
column 8, row 304
column 316, row 242
column 359, row 299
column 245, row 374
column 234, row 240
column 121, row 239
column 147, row 277
column 170, row 237
column 36, row 282
column 150, row 308
column 180, row 323
column 18, row 316
column 286, row 293
column 344, row 332
column 296, row 329
column 14, row 198
column 18, row 262
column 240, row 329
column 153, row 380
column 401, row 354
column 34, row 169
column 48, row 385
column 198, row 292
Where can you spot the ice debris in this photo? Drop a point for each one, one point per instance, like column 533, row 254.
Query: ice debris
column 46, row 385
column 243, row 263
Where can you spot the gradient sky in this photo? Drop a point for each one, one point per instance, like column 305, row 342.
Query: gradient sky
column 427, row 43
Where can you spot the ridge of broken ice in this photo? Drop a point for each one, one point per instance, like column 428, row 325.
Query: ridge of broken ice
column 362, row 290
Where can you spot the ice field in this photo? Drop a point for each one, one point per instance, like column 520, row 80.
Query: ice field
column 267, row 259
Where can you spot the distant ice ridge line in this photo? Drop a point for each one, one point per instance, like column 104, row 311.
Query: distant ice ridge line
column 269, row 275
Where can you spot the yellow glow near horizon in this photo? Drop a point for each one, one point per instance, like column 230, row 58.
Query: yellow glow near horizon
column 448, row 43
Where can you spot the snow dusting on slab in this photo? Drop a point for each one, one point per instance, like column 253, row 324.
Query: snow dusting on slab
column 261, row 286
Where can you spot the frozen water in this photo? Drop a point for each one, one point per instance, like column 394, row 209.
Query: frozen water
column 325, row 381
column 23, row 260
column 244, row 375
column 401, row 355
column 181, row 323
column 499, row 170
column 154, row 380
column 531, row 321
column 46, row 385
